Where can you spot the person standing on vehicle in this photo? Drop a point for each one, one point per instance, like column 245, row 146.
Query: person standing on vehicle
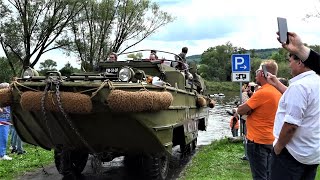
column 296, row 152
column 183, row 55
column 5, row 116
column 181, row 59
column 261, row 108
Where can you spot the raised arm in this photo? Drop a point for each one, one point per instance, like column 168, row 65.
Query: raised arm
column 307, row 55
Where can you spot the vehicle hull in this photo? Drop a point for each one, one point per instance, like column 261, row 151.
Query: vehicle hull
column 103, row 130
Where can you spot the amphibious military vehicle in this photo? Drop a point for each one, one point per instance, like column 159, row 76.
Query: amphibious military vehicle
column 138, row 109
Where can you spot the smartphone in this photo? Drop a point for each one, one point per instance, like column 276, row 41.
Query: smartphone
column 252, row 89
column 283, row 30
column 265, row 72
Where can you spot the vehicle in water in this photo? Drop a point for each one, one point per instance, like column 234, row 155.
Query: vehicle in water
column 138, row 109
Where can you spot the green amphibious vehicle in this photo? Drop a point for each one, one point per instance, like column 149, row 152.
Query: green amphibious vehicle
column 138, row 109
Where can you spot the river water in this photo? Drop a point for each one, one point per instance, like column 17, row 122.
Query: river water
column 218, row 121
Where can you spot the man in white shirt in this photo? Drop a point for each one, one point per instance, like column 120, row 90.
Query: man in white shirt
column 297, row 124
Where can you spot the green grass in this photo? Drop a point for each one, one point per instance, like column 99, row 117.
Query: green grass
column 220, row 161
column 32, row 160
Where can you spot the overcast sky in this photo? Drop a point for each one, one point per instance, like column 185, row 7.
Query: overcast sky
column 200, row 24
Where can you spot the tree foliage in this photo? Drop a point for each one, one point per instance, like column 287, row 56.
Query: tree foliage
column 112, row 26
column 216, row 62
column 5, row 73
column 67, row 70
column 47, row 65
column 29, row 29
column 135, row 56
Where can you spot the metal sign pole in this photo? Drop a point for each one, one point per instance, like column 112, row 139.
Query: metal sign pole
column 241, row 123
column 240, row 66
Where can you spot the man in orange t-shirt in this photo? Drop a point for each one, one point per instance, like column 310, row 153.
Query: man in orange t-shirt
column 261, row 109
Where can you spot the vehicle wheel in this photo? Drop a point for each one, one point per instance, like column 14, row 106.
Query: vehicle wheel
column 185, row 149
column 134, row 165
column 194, row 144
column 96, row 164
column 157, row 166
column 70, row 162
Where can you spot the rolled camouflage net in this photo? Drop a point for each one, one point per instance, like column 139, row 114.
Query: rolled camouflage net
column 124, row 101
column 71, row 102
column 201, row 102
column 5, row 97
column 211, row 103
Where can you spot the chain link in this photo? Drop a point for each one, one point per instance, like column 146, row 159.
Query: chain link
column 43, row 107
column 55, row 81
column 57, row 84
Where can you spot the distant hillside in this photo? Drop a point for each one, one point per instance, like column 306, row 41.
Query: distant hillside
column 264, row 53
column 195, row 58
column 259, row 53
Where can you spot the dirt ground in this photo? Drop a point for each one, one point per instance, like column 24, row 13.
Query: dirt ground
column 111, row 170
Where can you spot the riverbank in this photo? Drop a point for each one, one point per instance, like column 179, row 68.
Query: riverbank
column 221, row 87
column 220, row 160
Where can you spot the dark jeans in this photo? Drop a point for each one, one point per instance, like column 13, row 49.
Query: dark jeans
column 234, row 132
column 285, row 167
column 260, row 160
column 244, row 133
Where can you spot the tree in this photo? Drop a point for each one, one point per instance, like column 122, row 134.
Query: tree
column 280, row 56
column 29, row 28
column 135, row 56
column 216, row 62
column 67, row 70
column 315, row 47
column 47, row 65
column 5, row 73
column 105, row 26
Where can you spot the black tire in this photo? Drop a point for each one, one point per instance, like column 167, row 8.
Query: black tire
column 185, row 149
column 157, row 166
column 194, row 144
column 96, row 164
column 134, row 165
column 70, row 162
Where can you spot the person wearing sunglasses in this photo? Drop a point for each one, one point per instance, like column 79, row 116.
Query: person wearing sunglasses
column 261, row 108
column 296, row 149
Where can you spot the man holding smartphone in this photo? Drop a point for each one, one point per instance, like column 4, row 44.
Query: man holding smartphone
column 308, row 56
column 296, row 152
column 261, row 108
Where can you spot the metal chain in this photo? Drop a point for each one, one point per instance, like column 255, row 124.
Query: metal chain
column 43, row 107
column 57, row 83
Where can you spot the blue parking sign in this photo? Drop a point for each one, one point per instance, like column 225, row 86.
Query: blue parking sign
column 240, row 62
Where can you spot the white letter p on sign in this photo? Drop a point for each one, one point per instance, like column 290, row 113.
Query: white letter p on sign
column 238, row 61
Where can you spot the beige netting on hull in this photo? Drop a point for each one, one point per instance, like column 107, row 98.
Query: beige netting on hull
column 124, row 101
column 71, row 102
column 5, row 97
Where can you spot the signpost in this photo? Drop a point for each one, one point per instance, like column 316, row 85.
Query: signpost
column 240, row 73
column 240, row 67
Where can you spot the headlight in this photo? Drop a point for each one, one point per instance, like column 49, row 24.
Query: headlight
column 125, row 74
column 29, row 72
